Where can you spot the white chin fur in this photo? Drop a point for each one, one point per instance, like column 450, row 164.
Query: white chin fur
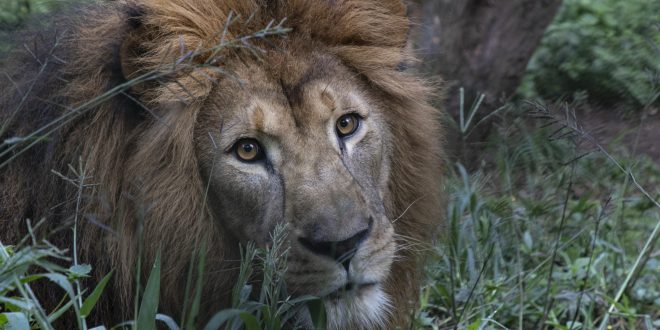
column 365, row 310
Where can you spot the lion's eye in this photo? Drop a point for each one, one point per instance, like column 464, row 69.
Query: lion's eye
column 347, row 124
column 248, row 150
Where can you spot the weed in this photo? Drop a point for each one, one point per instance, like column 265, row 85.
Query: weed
column 535, row 238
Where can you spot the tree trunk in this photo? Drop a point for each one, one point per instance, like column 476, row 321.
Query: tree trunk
column 481, row 45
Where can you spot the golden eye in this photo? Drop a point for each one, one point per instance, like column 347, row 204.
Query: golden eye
column 347, row 124
column 248, row 150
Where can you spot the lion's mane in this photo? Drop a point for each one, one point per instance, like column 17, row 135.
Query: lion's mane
column 142, row 177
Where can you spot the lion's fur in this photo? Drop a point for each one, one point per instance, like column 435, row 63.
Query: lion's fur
column 143, row 164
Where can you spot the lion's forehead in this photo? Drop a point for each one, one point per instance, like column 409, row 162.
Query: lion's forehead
column 278, row 110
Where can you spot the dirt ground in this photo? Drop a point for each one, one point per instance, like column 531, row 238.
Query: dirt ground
column 612, row 129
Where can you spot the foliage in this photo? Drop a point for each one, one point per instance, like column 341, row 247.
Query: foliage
column 608, row 48
column 21, row 266
column 13, row 13
column 547, row 234
column 273, row 308
column 20, row 308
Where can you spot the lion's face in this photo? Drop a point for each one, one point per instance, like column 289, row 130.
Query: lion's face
column 302, row 141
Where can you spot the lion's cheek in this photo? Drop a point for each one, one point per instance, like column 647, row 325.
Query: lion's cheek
column 374, row 261
column 248, row 207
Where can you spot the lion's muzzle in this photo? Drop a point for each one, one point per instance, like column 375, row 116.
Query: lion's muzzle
column 340, row 251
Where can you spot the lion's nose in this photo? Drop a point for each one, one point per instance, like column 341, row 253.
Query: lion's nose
column 340, row 251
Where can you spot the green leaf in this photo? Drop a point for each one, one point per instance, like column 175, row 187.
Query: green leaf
column 576, row 325
column 317, row 313
column 251, row 322
column 194, row 309
column 527, row 238
column 18, row 302
column 14, row 321
column 30, row 278
column 171, row 324
column 79, row 270
column 62, row 281
column 91, row 300
column 299, row 301
column 474, row 325
column 146, row 319
column 221, row 318
column 245, row 292
column 56, row 314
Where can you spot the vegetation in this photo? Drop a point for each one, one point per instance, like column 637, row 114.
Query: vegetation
column 32, row 261
column 552, row 229
column 15, row 12
column 607, row 48
column 273, row 308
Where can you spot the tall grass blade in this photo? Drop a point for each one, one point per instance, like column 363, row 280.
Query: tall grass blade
column 317, row 313
column 222, row 317
column 251, row 322
column 186, row 293
column 90, row 301
column 648, row 245
column 169, row 322
column 194, row 309
column 146, row 319
column 56, row 315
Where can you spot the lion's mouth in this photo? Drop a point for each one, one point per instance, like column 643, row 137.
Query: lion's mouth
column 351, row 289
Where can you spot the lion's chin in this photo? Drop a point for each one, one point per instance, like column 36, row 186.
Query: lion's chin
column 364, row 307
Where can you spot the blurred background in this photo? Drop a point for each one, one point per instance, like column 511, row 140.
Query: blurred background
column 601, row 54
column 553, row 161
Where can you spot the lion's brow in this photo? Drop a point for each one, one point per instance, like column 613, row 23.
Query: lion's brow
column 268, row 120
column 293, row 89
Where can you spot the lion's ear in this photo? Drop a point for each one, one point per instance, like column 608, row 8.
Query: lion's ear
column 164, row 45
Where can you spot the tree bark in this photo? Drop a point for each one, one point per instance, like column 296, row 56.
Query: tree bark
column 481, row 45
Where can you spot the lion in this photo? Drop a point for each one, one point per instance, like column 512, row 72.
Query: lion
column 194, row 122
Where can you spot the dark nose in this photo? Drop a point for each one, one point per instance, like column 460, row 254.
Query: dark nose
column 340, row 251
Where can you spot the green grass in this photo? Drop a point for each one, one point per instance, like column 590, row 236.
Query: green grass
column 274, row 308
column 553, row 230
column 32, row 261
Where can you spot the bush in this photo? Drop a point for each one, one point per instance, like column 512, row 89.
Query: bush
column 608, row 48
column 13, row 13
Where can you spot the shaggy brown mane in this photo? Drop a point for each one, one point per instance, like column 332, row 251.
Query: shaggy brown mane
column 142, row 168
